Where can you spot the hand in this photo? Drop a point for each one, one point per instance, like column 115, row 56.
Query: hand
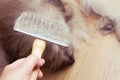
column 22, row 68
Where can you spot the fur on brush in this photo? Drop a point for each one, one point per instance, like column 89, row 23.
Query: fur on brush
column 109, row 12
column 15, row 45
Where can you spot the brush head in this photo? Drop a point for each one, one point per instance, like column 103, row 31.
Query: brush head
column 46, row 26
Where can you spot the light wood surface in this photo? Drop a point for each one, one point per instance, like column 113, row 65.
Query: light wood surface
column 99, row 60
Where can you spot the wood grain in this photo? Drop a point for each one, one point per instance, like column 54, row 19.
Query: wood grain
column 99, row 60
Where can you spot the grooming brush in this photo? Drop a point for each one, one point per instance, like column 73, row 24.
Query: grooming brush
column 47, row 27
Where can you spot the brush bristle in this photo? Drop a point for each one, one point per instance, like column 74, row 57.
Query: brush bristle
column 45, row 26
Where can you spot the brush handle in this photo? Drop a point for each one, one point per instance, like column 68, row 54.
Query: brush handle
column 37, row 49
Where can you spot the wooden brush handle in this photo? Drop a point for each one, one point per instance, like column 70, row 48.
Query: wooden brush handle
column 37, row 49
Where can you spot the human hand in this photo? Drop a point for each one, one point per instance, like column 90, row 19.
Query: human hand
column 22, row 68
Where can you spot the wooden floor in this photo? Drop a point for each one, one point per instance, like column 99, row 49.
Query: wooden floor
column 99, row 60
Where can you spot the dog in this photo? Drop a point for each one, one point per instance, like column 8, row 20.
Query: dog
column 15, row 45
column 108, row 11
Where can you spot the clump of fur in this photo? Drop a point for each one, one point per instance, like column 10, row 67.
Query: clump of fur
column 105, row 9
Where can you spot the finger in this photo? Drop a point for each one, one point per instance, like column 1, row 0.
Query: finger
column 40, row 74
column 16, row 63
column 41, row 62
column 30, row 62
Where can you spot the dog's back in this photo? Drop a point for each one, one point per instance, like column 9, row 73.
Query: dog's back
column 17, row 45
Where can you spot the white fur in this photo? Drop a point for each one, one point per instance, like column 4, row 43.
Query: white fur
column 109, row 8
column 77, row 24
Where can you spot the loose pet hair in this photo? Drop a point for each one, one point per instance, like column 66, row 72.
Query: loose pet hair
column 15, row 45
column 109, row 12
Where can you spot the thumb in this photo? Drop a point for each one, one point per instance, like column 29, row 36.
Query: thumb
column 29, row 63
column 32, row 60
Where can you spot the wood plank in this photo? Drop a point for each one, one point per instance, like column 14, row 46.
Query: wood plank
column 99, row 60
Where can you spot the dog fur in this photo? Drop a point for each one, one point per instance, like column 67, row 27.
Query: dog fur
column 108, row 10
column 16, row 45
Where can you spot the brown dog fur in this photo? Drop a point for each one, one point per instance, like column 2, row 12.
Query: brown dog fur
column 17, row 45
